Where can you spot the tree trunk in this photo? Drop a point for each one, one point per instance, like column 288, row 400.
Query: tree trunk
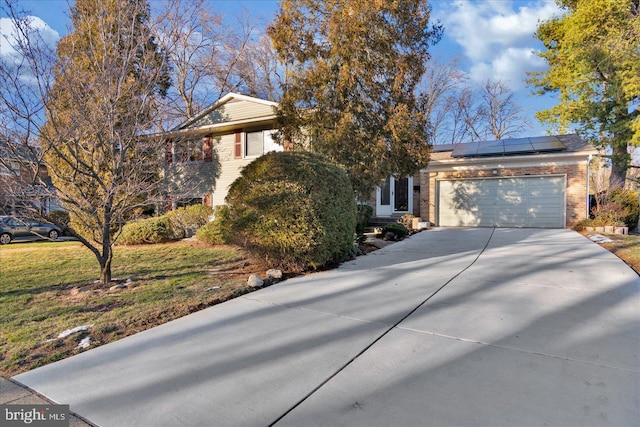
column 619, row 164
column 105, row 273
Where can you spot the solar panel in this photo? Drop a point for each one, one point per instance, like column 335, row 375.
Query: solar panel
column 491, row 149
column 465, row 150
column 508, row 147
column 548, row 145
column 518, row 148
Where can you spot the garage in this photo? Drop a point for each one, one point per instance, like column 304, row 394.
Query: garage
column 525, row 201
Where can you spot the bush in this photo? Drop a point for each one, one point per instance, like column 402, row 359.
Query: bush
column 145, row 231
column 186, row 220
column 297, row 210
column 61, row 219
column 627, row 204
column 218, row 231
column 407, row 221
column 398, row 230
column 364, row 214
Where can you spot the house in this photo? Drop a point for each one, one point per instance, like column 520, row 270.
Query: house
column 206, row 153
column 523, row 182
column 25, row 184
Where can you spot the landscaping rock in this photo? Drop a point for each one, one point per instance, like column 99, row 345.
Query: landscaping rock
column 274, row 274
column 255, row 281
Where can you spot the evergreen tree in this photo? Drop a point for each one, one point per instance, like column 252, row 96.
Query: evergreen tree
column 352, row 70
column 594, row 66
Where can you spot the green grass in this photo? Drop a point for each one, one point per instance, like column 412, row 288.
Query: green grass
column 48, row 287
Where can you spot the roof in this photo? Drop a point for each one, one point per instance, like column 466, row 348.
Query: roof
column 539, row 145
column 233, row 107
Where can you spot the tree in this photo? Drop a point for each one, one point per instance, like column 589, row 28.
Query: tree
column 352, row 71
column 496, row 115
column 594, row 67
column 441, row 90
column 96, row 107
column 209, row 58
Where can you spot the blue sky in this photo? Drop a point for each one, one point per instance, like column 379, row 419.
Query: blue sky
column 492, row 39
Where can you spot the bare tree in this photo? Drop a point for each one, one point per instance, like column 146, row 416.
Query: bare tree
column 495, row 113
column 82, row 115
column 260, row 71
column 209, row 57
column 440, row 90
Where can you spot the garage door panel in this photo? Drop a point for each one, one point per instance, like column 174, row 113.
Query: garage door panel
column 502, row 202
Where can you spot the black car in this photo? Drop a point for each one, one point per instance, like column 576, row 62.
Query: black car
column 12, row 228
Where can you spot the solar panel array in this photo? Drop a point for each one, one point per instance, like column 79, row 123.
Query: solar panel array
column 508, row 146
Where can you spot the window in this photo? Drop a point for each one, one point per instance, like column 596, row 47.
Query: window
column 260, row 142
column 254, row 144
column 189, row 151
column 11, row 168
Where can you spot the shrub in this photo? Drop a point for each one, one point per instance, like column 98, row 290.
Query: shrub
column 61, row 219
column 398, row 230
column 145, row 231
column 297, row 210
column 186, row 220
column 407, row 221
column 628, row 208
column 364, row 214
column 218, row 231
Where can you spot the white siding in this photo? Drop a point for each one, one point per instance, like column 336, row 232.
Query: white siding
column 229, row 167
column 242, row 110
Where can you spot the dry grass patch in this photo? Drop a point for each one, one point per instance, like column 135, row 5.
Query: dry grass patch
column 627, row 248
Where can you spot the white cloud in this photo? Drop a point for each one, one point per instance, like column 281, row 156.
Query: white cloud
column 9, row 34
column 497, row 37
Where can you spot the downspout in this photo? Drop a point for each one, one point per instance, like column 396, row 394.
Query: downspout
column 588, row 187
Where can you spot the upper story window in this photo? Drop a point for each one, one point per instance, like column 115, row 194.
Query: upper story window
column 260, row 142
column 11, row 168
column 189, row 151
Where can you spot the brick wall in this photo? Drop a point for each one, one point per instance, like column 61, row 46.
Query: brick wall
column 576, row 191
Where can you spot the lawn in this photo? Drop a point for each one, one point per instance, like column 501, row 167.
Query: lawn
column 627, row 248
column 49, row 287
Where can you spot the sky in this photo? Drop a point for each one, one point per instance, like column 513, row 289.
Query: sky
column 490, row 38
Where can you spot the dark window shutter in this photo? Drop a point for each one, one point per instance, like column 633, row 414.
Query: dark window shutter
column 169, row 152
column 238, row 146
column 208, row 148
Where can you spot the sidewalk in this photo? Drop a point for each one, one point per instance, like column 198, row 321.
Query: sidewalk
column 15, row 394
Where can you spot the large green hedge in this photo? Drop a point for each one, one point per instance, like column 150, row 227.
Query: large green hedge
column 295, row 209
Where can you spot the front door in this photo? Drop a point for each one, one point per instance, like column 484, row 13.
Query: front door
column 394, row 196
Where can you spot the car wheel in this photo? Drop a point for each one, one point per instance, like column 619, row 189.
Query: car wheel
column 5, row 238
column 53, row 234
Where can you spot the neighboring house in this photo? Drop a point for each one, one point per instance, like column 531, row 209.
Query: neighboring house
column 206, row 153
column 21, row 183
column 523, row 182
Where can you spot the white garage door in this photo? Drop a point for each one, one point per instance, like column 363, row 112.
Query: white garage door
column 502, row 202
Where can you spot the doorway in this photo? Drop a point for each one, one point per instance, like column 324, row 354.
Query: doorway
column 395, row 196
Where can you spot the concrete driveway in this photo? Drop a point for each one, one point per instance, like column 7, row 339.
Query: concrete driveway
column 452, row 327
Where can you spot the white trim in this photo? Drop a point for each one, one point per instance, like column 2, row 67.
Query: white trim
column 232, row 95
column 218, row 126
column 508, row 162
column 391, row 207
